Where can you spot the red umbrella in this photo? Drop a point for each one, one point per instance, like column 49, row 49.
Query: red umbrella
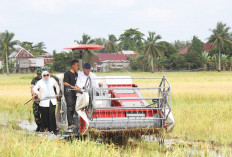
column 84, row 46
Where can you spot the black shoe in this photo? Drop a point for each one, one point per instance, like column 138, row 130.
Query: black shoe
column 54, row 132
column 38, row 129
column 70, row 128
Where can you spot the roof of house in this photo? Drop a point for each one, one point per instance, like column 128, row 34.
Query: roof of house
column 101, row 57
column 13, row 54
column 129, row 53
column 23, row 53
column 207, row 47
column 184, row 51
column 46, row 55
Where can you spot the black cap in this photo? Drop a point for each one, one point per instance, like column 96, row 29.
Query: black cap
column 87, row 66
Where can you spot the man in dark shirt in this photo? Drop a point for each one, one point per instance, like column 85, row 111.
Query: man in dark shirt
column 70, row 78
column 36, row 111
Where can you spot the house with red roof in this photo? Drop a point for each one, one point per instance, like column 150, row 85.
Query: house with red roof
column 48, row 58
column 24, row 61
column 108, row 61
column 207, row 47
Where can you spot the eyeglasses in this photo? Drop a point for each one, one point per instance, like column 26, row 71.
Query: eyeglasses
column 46, row 75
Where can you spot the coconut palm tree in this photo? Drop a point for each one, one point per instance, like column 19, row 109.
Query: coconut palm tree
column 224, row 59
column 100, row 41
column 153, row 49
column 86, row 39
column 40, row 45
column 204, row 60
column 39, row 48
column 111, row 46
column 158, row 62
column 7, row 45
column 220, row 36
column 131, row 39
column 215, row 61
column 27, row 45
column 142, row 60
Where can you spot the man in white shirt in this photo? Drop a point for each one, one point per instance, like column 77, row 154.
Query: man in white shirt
column 82, row 99
column 83, row 75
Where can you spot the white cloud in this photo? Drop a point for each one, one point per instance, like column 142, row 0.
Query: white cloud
column 160, row 14
column 118, row 3
column 50, row 6
column 2, row 20
column 58, row 6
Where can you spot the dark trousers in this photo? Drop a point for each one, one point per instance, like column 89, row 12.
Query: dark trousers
column 71, row 103
column 48, row 119
column 36, row 113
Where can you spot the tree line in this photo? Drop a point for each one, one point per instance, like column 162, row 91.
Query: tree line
column 154, row 54
column 157, row 55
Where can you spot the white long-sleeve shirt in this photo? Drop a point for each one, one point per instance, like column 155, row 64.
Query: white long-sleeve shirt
column 81, row 80
column 42, row 86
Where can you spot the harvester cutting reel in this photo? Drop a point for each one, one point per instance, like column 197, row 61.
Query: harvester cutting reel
column 128, row 104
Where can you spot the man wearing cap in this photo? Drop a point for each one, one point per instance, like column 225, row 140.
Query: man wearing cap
column 81, row 84
column 36, row 111
column 83, row 75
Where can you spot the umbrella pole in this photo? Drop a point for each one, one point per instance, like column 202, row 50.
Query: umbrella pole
column 81, row 60
column 73, row 54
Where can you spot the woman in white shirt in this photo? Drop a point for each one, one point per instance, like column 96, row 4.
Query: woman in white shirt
column 45, row 91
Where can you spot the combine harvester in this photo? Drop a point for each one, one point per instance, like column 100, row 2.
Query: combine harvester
column 124, row 106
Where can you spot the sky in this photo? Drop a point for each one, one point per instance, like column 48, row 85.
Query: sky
column 59, row 22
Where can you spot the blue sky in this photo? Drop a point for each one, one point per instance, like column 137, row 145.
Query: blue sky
column 59, row 22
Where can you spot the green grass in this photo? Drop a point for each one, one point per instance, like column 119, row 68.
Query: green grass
column 201, row 105
column 14, row 143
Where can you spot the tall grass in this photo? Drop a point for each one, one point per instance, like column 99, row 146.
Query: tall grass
column 201, row 105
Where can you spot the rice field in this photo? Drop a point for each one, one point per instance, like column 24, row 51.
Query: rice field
column 201, row 106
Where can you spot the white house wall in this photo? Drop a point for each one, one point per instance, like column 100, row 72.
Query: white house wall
column 23, row 62
column 39, row 62
column 114, row 65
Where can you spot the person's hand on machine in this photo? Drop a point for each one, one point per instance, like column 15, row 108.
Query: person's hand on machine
column 77, row 89
column 34, row 96
column 100, row 84
column 39, row 95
